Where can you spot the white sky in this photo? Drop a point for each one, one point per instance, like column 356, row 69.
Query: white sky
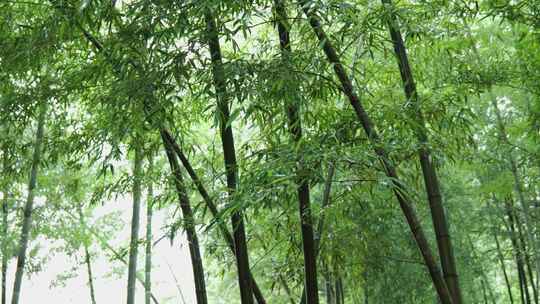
column 112, row 289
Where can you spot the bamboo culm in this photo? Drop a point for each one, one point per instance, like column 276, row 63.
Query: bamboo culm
column 5, row 210
column 229, row 155
column 429, row 172
column 302, row 181
column 148, row 239
column 135, row 219
column 189, row 225
column 200, row 187
column 399, row 190
column 29, row 205
column 87, row 257
column 211, row 206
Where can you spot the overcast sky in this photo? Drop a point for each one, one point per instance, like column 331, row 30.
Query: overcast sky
column 112, row 288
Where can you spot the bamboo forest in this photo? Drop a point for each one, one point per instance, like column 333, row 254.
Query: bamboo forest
column 270, row 151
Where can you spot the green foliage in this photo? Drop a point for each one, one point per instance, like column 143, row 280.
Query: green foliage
column 110, row 71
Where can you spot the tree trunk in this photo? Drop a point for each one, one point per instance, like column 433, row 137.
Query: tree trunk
column 480, row 269
column 185, row 162
column 90, row 275
column 518, row 187
column 329, row 287
column 28, row 208
column 200, row 290
column 326, row 200
column 286, row 288
column 524, row 290
column 531, row 277
column 115, row 253
column 500, row 256
column 229, row 154
column 339, row 290
column 366, row 289
column 148, row 242
column 211, row 206
column 399, row 189
column 134, row 243
column 525, row 252
column 200, row 187
column 429, row 171
column 176, row 283
column 282, row 279
column 5, row 210
column 484, row 291
column 189, row 226
column 87, row 257
column 302, row 180
column 320, row 225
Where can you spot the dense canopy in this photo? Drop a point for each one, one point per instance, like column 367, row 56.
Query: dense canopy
column 307, row 151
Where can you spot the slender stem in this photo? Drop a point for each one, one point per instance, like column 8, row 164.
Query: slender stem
column 519, row 190
column 189, row 225
column 229, row 155
column 399, row 189
column 211, row 206
column 503, row 267
column 511, row 226
column 302, row 180
column 500, row 257
column 134, row 243
column 185, row 162
column 429, row 172
column 148, row 241
column 27, row 221
column 320, row 226
column 5, row 210
column 87, row 257
column 102, row 240
column 176, row 283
